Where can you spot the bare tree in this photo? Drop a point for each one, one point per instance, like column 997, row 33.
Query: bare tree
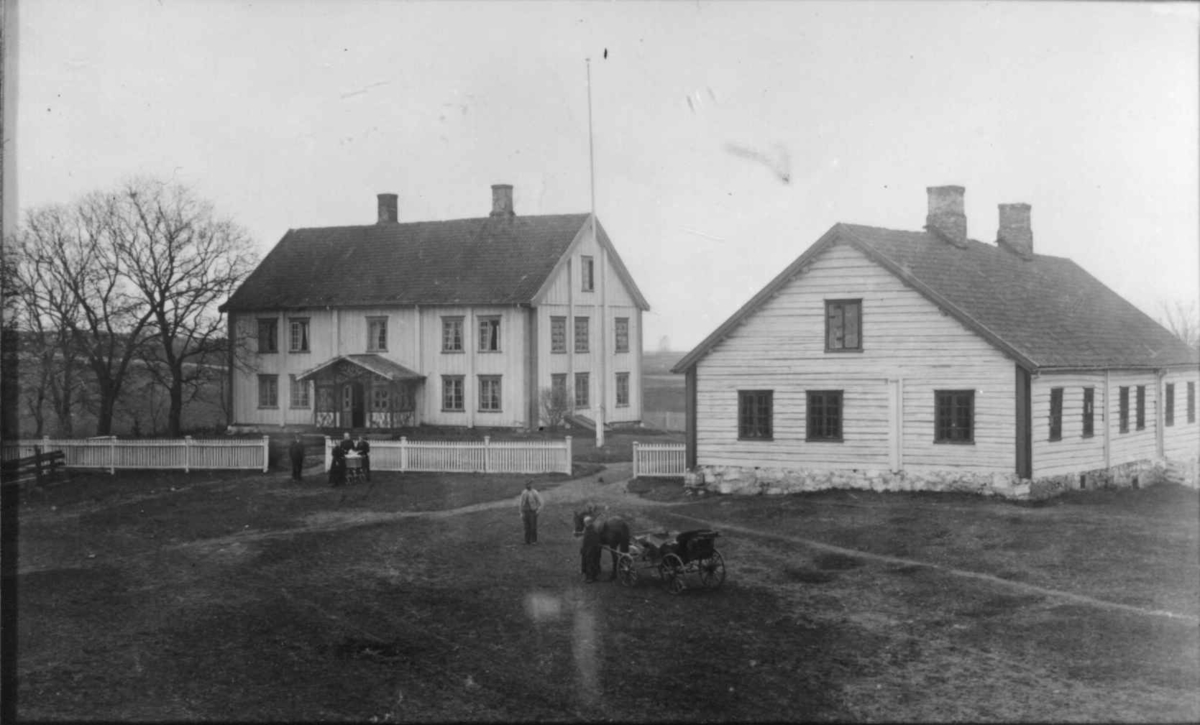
column 79, row 292
column 183, row 260
column 1183, row 320
column 556, row 405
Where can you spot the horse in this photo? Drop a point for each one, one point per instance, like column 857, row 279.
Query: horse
column 598, row 531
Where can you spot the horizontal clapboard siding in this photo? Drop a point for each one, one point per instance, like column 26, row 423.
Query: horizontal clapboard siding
column 1136, row 445
column 1182, row 440
column 781, row 347
column 1073, row 453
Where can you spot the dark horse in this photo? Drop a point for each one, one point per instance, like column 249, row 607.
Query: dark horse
column 598, row 531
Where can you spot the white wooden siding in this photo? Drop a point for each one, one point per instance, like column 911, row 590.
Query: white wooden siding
column 781, row 347
column 1073, row 453
column 1136, row 445
column 1182, row 440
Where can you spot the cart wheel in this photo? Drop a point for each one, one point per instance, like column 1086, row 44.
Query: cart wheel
column 712, row 570
column 671, row 570
column 626, row 571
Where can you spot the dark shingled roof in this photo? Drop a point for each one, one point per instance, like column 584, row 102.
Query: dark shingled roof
column 489, row 260
column 1045, row 312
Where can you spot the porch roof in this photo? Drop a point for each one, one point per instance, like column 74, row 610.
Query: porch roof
column 381, row 366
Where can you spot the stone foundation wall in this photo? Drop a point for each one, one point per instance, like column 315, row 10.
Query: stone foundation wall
column 751, row 481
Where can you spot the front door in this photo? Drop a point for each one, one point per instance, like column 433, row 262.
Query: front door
column 353, row 412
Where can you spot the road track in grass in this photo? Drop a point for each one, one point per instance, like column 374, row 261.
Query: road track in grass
column 979, row 576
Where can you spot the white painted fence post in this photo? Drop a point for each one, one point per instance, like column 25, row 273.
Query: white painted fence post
column 187, row 454
column 266, row 453
column 403, row 453
column 112, row 455
column 487, row 454
column 328, row 454
column 635, row 459
column 569, row 462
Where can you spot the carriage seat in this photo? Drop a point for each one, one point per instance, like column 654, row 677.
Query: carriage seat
column 696, row 543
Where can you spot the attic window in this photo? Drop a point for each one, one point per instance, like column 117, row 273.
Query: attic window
column 843, row 325
column 587, row 274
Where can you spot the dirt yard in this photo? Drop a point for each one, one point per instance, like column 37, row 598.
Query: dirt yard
column 250, row 597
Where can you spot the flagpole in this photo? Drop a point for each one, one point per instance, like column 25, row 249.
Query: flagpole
column 602, row 388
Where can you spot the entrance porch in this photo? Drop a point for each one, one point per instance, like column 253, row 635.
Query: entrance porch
column 364, row 391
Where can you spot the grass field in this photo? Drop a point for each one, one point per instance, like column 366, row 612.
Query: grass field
column 248, row 597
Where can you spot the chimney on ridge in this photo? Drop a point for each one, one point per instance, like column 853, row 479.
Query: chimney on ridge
column 945, row 216
column 1015, row 233
column 502, row 205
column 387, row 209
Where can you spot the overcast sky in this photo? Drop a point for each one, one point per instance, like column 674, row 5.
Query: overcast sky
column 295, row 114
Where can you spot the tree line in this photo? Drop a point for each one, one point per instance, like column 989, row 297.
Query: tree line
column 119, row 279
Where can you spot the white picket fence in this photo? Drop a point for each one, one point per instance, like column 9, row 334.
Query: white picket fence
column 486, row 456
column 659, row 459
column 177, row 454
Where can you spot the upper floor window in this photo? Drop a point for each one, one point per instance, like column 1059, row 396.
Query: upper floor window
column 377, row 334
column 452, row 334
column 1056, row 405
column 268, row 336
column 755, row 414
column 299, row 334
column 622, row 390
column 1089, row 412
column 489, row 334
column 1124, row 409
column 268, row 391
column 581, row 334
column 843, row 325
column 954, row 416
column 1141, row 407
column 558, row 334
column 587, row 274
column 489, row 393
column 824, row 415
column 1169, row 408
column 622, row 334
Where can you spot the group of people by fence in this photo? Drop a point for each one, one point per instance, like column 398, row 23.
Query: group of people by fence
column 359, row 448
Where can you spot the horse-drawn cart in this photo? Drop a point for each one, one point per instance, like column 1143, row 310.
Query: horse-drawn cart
column 689, row 552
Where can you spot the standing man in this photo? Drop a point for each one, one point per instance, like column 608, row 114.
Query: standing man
column 531, row 503
column 364, row 451
column 296, row 451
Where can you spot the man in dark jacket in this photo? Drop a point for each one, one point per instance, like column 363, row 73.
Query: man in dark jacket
column 296, row 452
column 364, row 451
column 346, row 445
column 590, row 551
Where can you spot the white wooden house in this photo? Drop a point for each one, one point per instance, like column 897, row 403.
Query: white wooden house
column 905, row 360
column 458, row 322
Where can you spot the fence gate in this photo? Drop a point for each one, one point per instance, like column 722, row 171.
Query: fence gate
column 667, row 460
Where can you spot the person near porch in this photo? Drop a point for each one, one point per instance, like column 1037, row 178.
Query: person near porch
column 296, row 452
column 337, row 467
column 364, row 451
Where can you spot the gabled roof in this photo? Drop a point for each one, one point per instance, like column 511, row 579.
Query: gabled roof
column 1044, row 312
column 377, row 364
column 490, row 260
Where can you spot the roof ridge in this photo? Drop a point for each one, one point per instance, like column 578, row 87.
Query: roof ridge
column 376, row 225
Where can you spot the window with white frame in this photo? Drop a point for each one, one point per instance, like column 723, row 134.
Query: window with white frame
column 452, row 392
column 452, row 334
column 299, row 334
column 582, row 385
column 268, row 335
column 622, row 334
column 489, row 393
column 268, row 391
column 299, row 392
column 622, row 390
column 377, row 332
column 489, row 334
column 558, row 334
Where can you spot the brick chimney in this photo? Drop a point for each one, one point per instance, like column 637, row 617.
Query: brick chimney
column 945, row 216
column 502, row 205
column 1015, row 233
column 387, row 209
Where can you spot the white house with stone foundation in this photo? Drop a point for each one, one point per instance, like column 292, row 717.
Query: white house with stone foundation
column 462, row 322
column 925, row 360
